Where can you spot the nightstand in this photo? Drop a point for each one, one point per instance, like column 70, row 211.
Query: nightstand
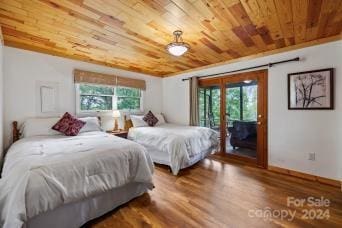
column 122, row 133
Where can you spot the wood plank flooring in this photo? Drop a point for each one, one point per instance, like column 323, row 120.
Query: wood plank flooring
column 215, row 193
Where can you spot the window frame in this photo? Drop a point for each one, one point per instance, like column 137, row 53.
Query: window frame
column 114, row 100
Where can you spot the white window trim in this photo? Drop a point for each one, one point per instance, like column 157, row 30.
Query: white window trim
column 114, row 103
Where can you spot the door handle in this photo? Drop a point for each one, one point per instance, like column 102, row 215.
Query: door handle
column 259, row 122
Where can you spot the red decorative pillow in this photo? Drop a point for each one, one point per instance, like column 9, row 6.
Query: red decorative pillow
column 69, row 125
column 150, row 119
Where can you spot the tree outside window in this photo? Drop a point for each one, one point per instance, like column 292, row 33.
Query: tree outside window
column 241, row 104
column 107, row 98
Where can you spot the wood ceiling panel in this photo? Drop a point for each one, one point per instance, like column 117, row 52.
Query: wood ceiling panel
column 132, row 34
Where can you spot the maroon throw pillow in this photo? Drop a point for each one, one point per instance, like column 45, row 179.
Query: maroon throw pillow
column 150, row 119
column 69, row 125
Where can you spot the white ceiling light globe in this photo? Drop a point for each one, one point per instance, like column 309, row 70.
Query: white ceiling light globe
column 178, row 47
column 177, row 50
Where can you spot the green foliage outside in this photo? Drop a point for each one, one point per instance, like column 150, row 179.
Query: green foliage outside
column 128, row 98
column 202, row 112
column 96, row 103
column 127, row 92
column 233, row 103
column 250, row 104
column 204, row 98
column 201, row 107
column 233, row 109
column 96, row 90
column 128, row 103
column 93, row 97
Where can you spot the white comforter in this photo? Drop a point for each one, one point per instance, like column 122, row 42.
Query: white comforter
column 42, row 173
column 179, row 142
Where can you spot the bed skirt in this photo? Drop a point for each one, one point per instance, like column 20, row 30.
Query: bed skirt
column 74, row 215
column 163, row 158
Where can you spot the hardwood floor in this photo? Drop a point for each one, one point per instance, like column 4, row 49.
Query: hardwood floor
column 215, row 193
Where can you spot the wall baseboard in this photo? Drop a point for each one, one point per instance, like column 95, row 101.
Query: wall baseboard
column 306, row 176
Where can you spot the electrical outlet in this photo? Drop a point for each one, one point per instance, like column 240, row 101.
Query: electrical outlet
column 312, row 156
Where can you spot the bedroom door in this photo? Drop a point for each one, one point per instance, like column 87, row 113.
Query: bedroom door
column 244, row 111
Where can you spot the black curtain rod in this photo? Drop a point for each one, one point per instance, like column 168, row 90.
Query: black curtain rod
column 248, row 68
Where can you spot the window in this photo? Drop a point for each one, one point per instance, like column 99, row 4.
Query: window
column 233, row 103
column 107, row 98
column 250, row 102
column 128, row 98
column 95, row 98
column 209, row 106
column 241, row 101
column 241, row 104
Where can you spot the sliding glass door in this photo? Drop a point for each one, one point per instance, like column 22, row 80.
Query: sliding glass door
column 236, row 107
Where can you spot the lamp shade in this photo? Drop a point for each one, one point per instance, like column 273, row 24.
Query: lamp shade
column 116, row 114
column 178, row 47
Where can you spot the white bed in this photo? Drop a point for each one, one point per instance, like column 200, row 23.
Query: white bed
column 59, row 181
column 175, row 145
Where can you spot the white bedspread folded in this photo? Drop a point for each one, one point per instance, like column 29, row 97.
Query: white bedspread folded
column 43, row 173
column 179, row 142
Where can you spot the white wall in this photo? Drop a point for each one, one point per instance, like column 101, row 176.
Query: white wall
column 24, row 68
column 1, row 100
column 292, row 134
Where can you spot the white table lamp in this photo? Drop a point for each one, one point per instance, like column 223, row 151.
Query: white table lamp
column 116, row 115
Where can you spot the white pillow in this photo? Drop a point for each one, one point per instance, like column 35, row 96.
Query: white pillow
column 161, row 119
column 138, row 121
column 92, row 124
column 39, row 127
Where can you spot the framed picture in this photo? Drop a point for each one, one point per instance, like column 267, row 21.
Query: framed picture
column 311, row 90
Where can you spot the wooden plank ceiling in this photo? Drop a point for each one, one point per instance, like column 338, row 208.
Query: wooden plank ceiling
column 132, row 34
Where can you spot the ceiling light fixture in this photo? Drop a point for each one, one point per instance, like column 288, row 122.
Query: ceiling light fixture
column 247, row 81
column 178, row 47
